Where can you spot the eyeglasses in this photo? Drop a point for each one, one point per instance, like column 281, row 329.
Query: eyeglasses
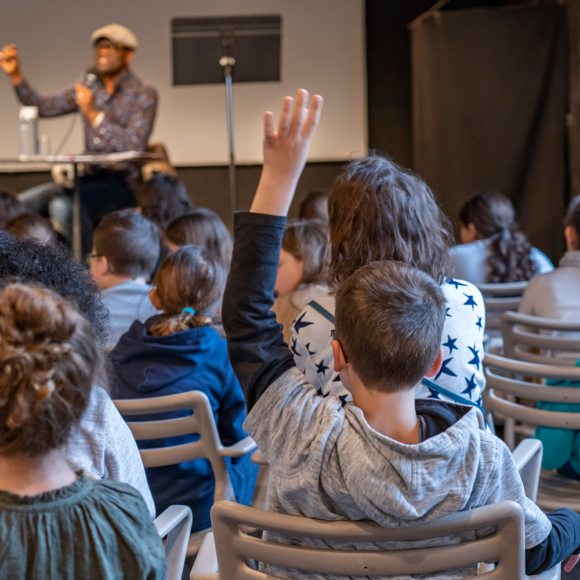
column 90, row 257
column 333, row 335
column 108, row 45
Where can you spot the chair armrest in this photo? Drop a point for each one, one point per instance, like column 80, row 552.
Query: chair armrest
column 206, row 564
column 240, row 448
column 528, row 459
column 175, row 523
column 258, row 457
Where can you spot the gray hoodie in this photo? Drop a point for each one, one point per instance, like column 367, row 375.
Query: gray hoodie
column 327, row 462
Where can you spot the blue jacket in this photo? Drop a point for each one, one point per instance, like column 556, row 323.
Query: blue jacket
column 197, row 359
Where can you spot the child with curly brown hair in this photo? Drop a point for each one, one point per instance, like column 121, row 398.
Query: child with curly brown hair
column 55, row 523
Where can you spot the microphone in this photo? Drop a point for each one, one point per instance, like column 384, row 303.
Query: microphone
column 91, row 77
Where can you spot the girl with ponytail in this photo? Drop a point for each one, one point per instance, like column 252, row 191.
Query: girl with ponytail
column 493, row 249
column 55, row 522
column 179, row 351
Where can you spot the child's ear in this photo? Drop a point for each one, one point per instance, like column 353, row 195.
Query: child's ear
column 339, row 358
column 571, row 238
column 154, row 297
column 436, row 365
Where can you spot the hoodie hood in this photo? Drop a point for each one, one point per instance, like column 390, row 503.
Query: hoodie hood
column 148, row 364
column 398, row 485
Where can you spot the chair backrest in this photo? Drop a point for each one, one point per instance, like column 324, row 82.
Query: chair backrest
column 499, row 298
column 518, row 341
column 506, row 376
column 200, row 422
column 505, row 546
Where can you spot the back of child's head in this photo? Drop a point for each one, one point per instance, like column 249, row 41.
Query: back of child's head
column 56, row 268
column 493, row 216
column 10, row 206
column 129, row 241
column 31, row 226
column 48, row 358
column 190, row 285
column 163, row 198
column 307, row 241
column 202, row 227
column 380, row 211
column 389, row 320
column 314, row 206
column 569, row 219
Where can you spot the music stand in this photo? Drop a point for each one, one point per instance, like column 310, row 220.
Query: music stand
column 244, row 49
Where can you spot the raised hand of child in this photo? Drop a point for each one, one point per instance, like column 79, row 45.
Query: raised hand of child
column 285, row 153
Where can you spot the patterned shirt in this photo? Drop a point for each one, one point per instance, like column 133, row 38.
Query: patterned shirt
column 462, row 343
column 129, row 112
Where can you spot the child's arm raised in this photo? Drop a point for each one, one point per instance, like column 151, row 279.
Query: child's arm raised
column 256, row 346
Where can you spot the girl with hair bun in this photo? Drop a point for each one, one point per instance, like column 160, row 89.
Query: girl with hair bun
column 180, row 351
column 493, row 248
column 55, row 523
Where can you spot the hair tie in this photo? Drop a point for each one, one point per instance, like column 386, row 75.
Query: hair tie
column 188, row 309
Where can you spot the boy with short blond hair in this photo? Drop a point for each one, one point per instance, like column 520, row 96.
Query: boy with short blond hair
column 386, row 456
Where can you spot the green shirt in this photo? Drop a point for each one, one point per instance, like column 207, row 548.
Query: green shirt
column 91, row 529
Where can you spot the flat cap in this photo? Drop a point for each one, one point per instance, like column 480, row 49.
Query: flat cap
column 118, row 34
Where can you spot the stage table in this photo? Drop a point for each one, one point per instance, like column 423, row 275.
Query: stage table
column 83, row 159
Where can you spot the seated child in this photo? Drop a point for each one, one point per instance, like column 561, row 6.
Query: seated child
column 125, row 253
column 176, row 352
column 163, row 198
column 493, row 249
column 31, row 226
column 387, row 456
column 101, row 442
column 301, row 270
column 314, row 206
column 555, row 294
column 203, row 228
column 55, row 523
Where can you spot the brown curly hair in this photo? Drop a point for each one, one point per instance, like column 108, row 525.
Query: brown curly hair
column 191, row 277
column 493, row 216
column 49, row 358
column 380, row 211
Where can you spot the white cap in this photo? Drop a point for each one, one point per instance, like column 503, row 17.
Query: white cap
column 118, row 34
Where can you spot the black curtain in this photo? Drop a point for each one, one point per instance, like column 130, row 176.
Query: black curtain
column 489, row 107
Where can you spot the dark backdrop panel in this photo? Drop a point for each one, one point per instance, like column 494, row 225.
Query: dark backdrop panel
column 489, row 106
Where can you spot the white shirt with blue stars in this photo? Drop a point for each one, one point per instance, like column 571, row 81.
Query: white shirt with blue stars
column 462, row 342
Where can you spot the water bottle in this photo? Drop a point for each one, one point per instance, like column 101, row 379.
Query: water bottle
column 28, row 131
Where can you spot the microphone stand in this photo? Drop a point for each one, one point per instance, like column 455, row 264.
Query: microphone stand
column 227, row 63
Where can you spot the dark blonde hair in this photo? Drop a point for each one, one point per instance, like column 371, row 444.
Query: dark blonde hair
column 380, row 211
column 203, row 227
column 493, row 216
column 192, row 278
column 389, row 320
column 48, row 360
column 307, row 241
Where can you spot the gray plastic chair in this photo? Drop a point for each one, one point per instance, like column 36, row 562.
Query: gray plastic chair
column 208, row 446
column 554, row 491
column 174, row 524
column 223, row 553
column 519, row 336
column 500, row 298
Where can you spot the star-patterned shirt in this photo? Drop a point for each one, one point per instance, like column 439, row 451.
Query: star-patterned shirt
column 462, row 342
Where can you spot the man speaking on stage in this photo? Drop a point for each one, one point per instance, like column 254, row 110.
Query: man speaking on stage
column 118, row 111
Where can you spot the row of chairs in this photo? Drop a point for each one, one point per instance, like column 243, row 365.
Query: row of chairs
column 232, row 544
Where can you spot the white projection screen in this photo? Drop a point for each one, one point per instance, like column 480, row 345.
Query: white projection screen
column 322, row 50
